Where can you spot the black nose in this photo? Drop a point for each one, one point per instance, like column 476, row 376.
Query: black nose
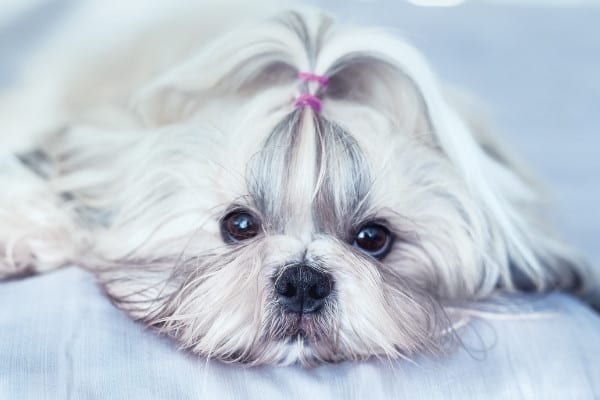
column 302, row 289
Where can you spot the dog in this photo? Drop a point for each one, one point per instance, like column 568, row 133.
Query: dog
column 266, row 190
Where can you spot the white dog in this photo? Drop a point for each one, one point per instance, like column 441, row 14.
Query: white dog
column 264, row 191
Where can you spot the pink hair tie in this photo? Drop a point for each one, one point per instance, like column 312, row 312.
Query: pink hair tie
column 309, row 100
column 310, row 77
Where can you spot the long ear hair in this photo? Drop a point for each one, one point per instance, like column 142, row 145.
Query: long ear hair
column 374, row 69
column 521, row 250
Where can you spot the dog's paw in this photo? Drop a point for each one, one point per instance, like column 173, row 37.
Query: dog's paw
column 37, row 232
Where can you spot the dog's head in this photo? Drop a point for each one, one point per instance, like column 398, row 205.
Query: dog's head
column 256, row 230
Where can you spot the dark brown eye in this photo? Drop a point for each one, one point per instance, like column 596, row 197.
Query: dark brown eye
column 374, row 240
column 238, row 226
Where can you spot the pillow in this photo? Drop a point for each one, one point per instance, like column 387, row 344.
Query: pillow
column 61, row 338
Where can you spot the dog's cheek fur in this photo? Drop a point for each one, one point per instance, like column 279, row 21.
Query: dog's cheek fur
column 379, row 309
column 393, row 320
column 212, row 304
column 218, row 303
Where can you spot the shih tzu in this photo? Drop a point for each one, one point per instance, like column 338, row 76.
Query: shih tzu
column 265, row 191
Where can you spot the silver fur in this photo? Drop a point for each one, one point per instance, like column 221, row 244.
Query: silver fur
column 139, row 148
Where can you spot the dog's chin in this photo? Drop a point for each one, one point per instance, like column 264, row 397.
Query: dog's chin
column 305, row 339
column 308, row 344
column 299, row 350
column 303, row 344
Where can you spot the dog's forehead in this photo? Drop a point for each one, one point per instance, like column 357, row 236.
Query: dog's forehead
column 309, row 174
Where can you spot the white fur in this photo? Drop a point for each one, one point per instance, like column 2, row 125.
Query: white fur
column 149, row 135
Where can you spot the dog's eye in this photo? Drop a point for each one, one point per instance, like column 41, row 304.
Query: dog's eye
column 374, row 240
column 238, row 226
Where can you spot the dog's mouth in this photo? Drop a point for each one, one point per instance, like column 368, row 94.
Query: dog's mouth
column 303, row 326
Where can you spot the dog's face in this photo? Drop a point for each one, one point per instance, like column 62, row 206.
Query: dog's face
column 255, row 231
column 294, row 238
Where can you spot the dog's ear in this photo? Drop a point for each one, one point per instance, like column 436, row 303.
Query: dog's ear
column 374, row 82
column 241, row 63
column 175, row 98
column 377, row 70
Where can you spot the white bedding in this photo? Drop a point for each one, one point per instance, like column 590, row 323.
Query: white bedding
column 61, row 338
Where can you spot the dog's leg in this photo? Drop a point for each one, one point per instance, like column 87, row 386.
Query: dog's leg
column 37, row 230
